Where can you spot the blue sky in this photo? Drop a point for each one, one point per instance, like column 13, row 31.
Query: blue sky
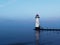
column 26, row 9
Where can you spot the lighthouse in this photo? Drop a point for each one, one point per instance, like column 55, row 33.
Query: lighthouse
column 37, row 28
column 37, row 22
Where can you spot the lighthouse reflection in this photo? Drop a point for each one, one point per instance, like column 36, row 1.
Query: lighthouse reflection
column 37, row 34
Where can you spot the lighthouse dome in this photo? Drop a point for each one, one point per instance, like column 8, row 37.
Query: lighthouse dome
column 37, row 16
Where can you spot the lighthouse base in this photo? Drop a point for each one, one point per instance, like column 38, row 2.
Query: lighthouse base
column 37, row 28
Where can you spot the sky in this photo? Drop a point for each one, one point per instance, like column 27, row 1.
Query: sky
column 27, row 9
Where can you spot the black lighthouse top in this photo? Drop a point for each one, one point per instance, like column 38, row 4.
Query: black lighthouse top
column 37, row 16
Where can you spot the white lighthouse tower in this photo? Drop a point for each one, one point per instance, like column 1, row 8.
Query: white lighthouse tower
column 37, row 22
column 37, row 29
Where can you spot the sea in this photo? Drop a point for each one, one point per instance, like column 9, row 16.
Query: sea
column 21, row 32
